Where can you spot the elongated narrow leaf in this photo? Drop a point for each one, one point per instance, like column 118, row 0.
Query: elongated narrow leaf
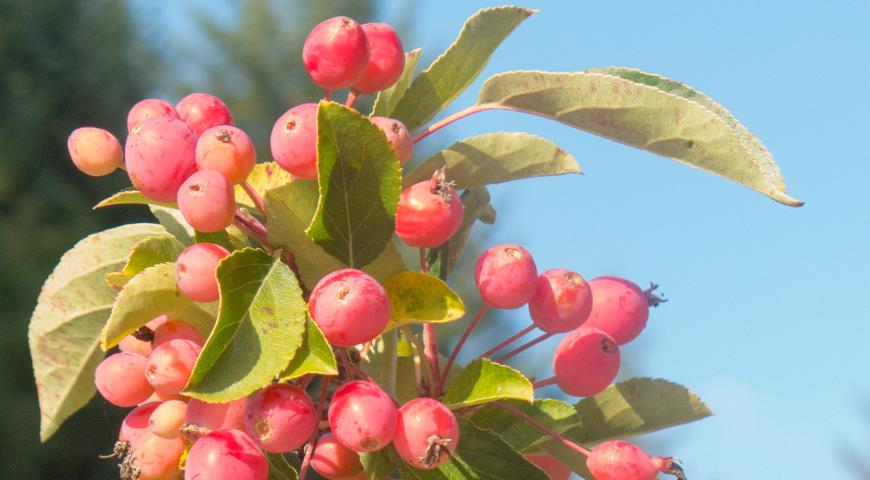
column 131, row 197
column 147, row 253
column 313, row 356
column 289, row 209
column 484, row 381
column 151, row 293
column 360, row 183
column 387, row 99
column 263, row 177
column 72, row 308
column 495, row 158
column 458, row 66
column 421, row 298
column 259, row 328
column 645, row 111
column 279, row 468
column 519, row 433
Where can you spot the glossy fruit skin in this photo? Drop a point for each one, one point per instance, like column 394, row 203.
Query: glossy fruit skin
column 195, row 271
column 506, row 276
column 429, row 213
column 216, row 416
column 227, row 150
column 169, row 365
column 362, row 416
column 420, row 421
column 176, row 329
column 619, row 307
column 166, row 420
column 618, row 460
column 386, row 59
column 586, row 361
column 350, row 307
column 550, row 466
column 336, row 53
column 120, row 379
column 280, row 418
column 160, row 155
column 208, row 201
column 334, row 461
column 149, row 108
column 94, row 151
column 157, row 458
column 136, row 425
column 294, row 141
column 226, row 455
column 398, row 136
column 202, row 111
column 562, row 301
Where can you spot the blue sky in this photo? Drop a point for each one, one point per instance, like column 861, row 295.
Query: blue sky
column 769, row 310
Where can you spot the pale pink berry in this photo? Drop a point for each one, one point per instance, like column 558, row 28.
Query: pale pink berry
column 156, row 458
column 226, row 455
column 334, row 461
column 280, row 418
column 176, row 329
column 120, row 379
column 195, row 271
column 94, row 151
column 135, row 426
column 131, row 344
column 362, row 416
column 350, row 307
column 208, row 417
column 585, row 362
column 161, row 154
column 167, row 419
column 618, row 460
column 149, row 108
column 386, row 59
column 619, row 307
column 429, row 213
column 336, row 53
column 426, row 433
column 562, row 301
column 163, row 397
column 208, row 201
column 550, row 466
column 169, row 365
column 398, row 136
column 202, row 111
column 506, row 276
column 228, row 150
column 294, row 141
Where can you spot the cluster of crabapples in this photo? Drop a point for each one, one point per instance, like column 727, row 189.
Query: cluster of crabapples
column 192, row 154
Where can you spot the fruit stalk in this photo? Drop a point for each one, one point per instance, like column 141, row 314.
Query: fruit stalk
column 522, row 333
column 524, row 347
column 458, row 116
column 255, row 197
column 540, row 426
column 471, row 326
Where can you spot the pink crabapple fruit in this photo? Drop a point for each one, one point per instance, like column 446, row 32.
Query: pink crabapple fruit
column 208, row 201
column 225, row 455
column 350, row 307
column 619, row 307
column 585, row 362
column 562, row 301
column 362, row 416
column 131, row 344
column 202, row 111
column 506, row 276
column 176, row 329
column 160, row 154
column 336, row 53
column 334, row 461
column 156, row 458
column 162, row 397
column 294, row 141
column 427, row 433
column 135, row 425
column 619, row 460
column 550, row 466
column 94, row 151
column 228, row 150
column 204, row 417
column 398, row 136
column 149, row 108
column 120, row 379
column 280, row 418
column 429, row 212
column 169, row 365
column 386, row 59
column 166, row 420
column 195, row 271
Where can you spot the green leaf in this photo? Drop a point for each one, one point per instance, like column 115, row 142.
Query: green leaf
column 73, row 305
column 476, row 206
column 387, row 99
column 151, row 293
column 458, row 66
column 380, row 361
column 279, row 468
column 173, row 221
column 147, row 253
column 360, row 183
column 485, row 381
column 480, row 455
column 289, row 210
column 555, row 414
column 221, row 237
column 377, row 465
column 263, row 177
column 313, row 356
column 131, row 197
column 259, row 328
column 421, row 298
column 495, row 158
column 645, row 111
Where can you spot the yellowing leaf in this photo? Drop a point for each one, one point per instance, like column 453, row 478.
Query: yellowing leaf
column 421, row 298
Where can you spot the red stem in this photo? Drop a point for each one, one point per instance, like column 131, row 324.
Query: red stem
column 424, row 266
column 255, row 197
column 430, row 350
column 253, row 228
column 524, row 347
column 545, row 382
column 457, row 116
column 312, row 444
column 351, row 98
column 471, row 326
column 522, row 333
column 540, row 426
column 327, row 95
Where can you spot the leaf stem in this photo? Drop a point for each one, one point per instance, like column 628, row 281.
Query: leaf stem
column 327, row 95
column 524, row 347
column 312, row 444
column 424, row 266
column 253, row 228
column 545, row 382
column 420, row 350
column 458, row 116
column 540, row 426
column 255, row 197
column 522, row 333
column 471, row 326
